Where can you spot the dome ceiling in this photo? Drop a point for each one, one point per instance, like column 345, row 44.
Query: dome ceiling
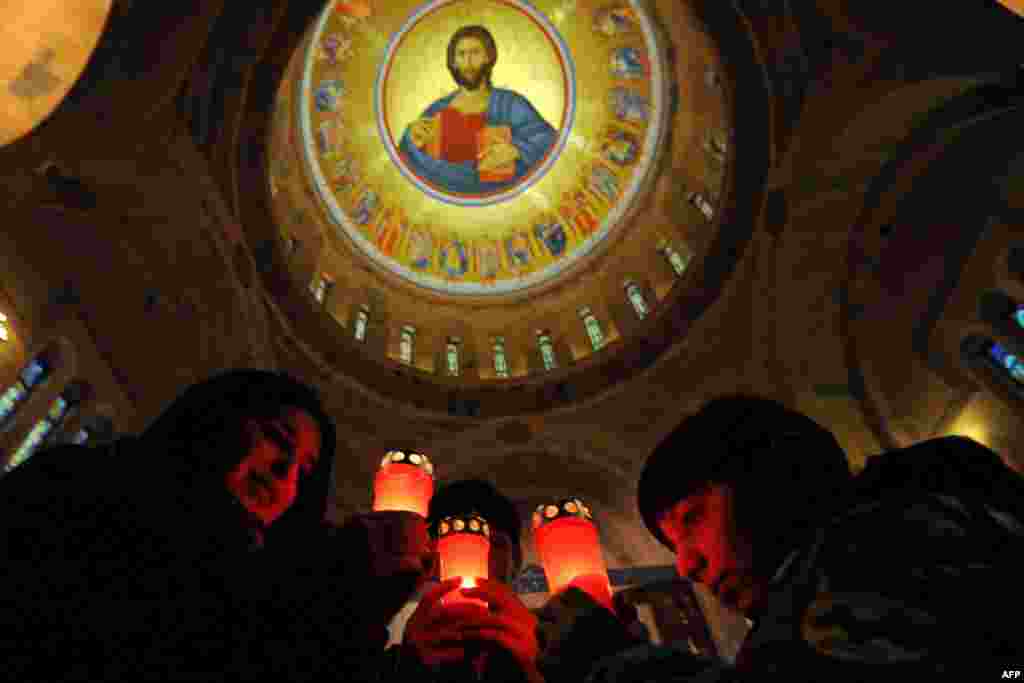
column 576, row 114
column 587, row 176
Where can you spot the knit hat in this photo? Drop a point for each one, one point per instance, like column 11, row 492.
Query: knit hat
column 756, row 444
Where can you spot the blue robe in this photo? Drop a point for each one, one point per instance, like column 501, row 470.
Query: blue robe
column 531, row 134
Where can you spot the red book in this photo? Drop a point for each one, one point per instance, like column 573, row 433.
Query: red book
column 491, row 135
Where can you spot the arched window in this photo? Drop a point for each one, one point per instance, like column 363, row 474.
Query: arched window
column 1007, row 361
column 5, row 334
column 678, row 261
column 362, row 319
column 321, row 288
column 636, row 298
column 593, row 328
column 32, row 376
column 702, row 203
column 452, row 355
column 63, row 407
column 547, row 350
column 500, row 362
column 716, row 144
column 405, row 345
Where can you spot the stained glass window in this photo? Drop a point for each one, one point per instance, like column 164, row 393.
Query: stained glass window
column 29, row 444
column 362, row 318
column 58, row 409
column 453, row 357
column 500, row 362
column 678, row 261
column 35, row 373
column 321, row 288
column 636, row 297
column 547, row 352
column 11, row 399
column 405, row 345
column 55, row 416
column 1009, row 362
column 593, row 328
column 1018, row 316
column 703, row 205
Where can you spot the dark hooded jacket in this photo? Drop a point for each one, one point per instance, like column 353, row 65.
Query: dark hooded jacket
column 915, row 574
column 133, row 562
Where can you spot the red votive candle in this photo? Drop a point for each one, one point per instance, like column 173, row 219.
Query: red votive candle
column 405, row 481
column 569, row 548
column 463, row 544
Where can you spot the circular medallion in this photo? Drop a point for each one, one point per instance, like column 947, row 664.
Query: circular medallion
column 481, row 146
column 459, row 148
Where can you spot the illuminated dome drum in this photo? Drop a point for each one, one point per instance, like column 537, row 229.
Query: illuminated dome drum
column 503, row 185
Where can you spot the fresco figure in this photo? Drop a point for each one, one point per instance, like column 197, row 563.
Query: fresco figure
column 328, row 95
column 328, row 138
column 630, row 62
column 603, row 183
column 365, row 208
column 357, row 9
column 487, row 260
column 421, row 248
column 390, row 228
column 614, row 20
column 517, row 248
column 454, row 261
column 335, row 48
column 629, row 105
column 345, row 174
column 576, row 207
column 620, row 148
column 478, row 139
column 551, row 235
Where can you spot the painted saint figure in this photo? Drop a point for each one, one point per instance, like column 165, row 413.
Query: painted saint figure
column 328, row 95
column 366, row 207
column 517, row 248
column 603, row 183
column 390, row 229
column 629, row 63
column 487, row 260
column 345, row 174
column 577, row 208
column 620, row 148
column 479, row 139
column 552, row 235
column 421, row 248
column 629, row 105
column 454, row 261
column 335, row 47
column 614, row 20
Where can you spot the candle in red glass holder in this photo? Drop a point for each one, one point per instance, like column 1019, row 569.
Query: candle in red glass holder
column 463, row 544
column 570, row 551
column 405, row 481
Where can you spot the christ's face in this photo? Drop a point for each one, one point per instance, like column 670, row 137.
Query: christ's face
column 471, row 63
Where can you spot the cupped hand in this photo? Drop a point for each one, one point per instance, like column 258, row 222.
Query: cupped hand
column 434, row 632
column 508, row 623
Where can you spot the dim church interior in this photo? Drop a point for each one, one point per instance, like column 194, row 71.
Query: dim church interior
column 859, row 263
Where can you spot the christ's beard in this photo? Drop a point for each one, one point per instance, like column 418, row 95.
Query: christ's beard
column 482, row 76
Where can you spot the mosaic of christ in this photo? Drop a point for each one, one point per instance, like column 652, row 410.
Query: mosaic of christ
column 478, row 139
